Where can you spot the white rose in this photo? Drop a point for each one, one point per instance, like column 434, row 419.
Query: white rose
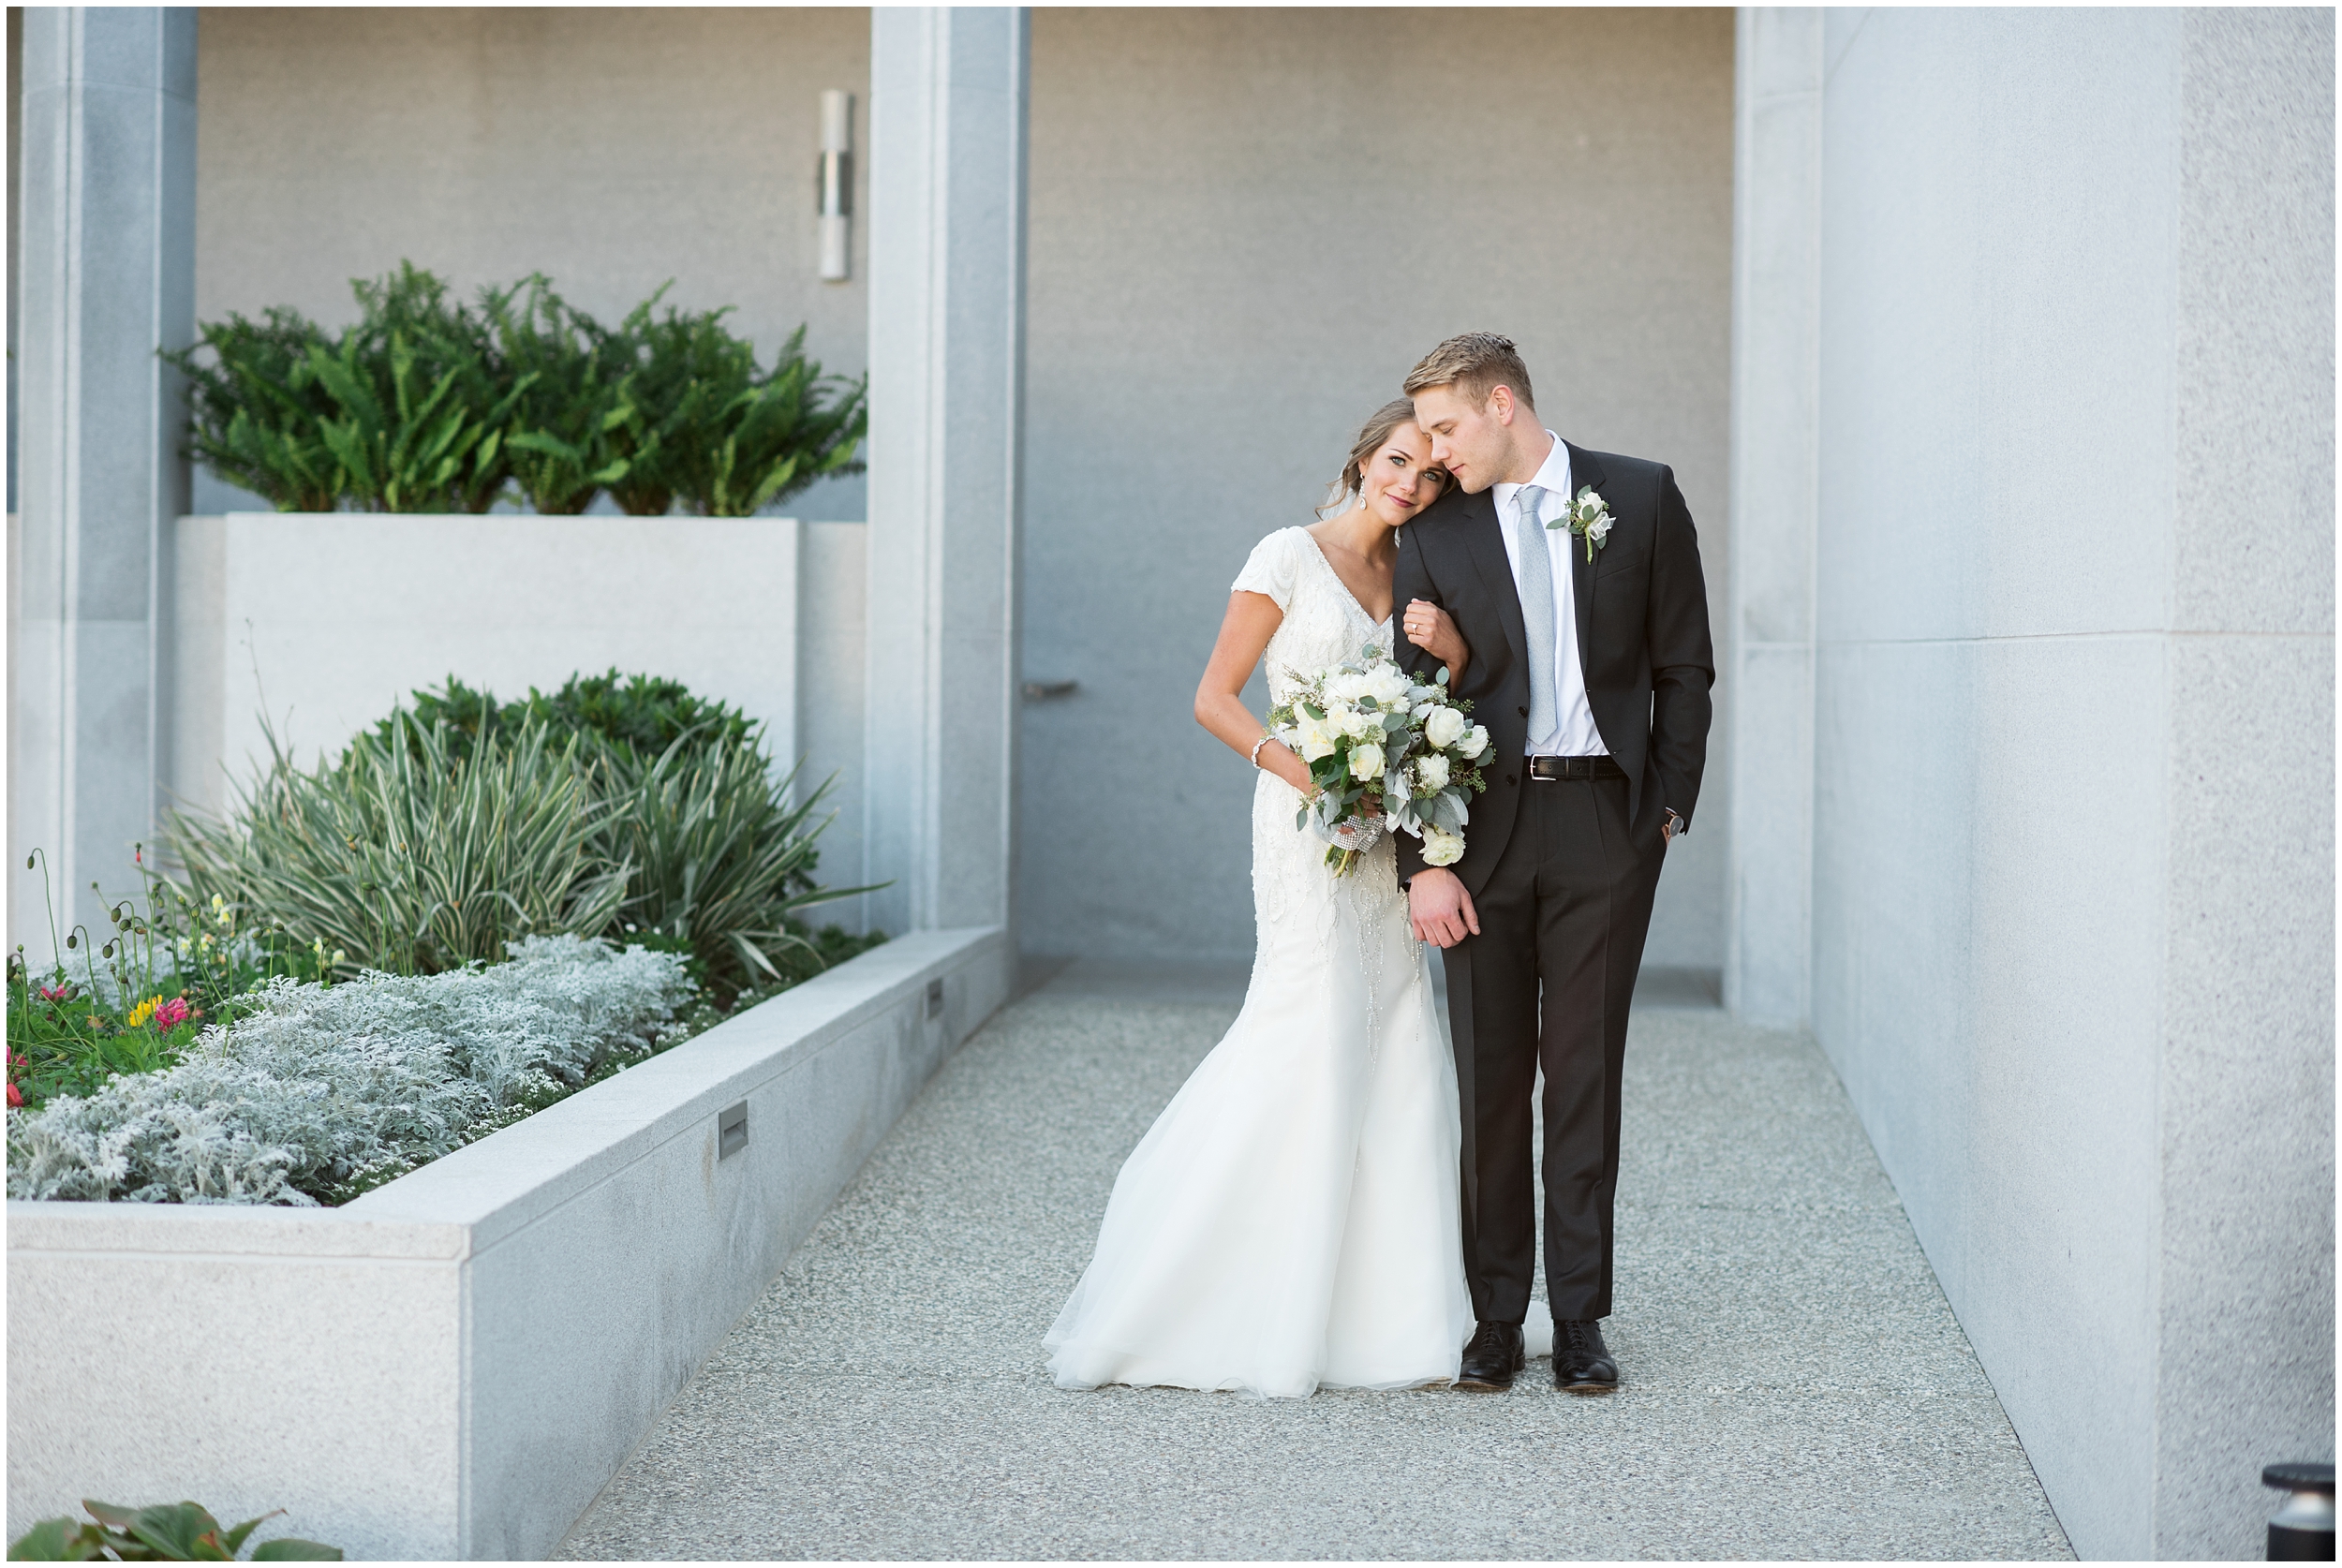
column 1474, row 743
column 1366, row 761
column 1388, row 683
column 1315, row 742
column 1443, row 727
column 1441, row 847
column 1362, row 726
column 1430, row 774
column 1346, row 687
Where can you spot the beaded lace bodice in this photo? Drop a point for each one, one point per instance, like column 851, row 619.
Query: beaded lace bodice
column 1324, row 626
column 1301, row 909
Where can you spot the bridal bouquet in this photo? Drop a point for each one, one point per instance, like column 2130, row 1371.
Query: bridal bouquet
column 1386, row 752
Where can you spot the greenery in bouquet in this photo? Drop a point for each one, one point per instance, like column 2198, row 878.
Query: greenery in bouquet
column 1388, row 752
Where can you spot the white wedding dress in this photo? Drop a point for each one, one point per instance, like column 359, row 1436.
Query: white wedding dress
column 1292, row 1218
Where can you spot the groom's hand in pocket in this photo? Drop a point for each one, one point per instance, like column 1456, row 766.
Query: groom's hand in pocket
column 1438, row 909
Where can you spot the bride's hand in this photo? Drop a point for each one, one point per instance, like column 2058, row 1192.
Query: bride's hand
column 1430, row 628
column 1280, row 760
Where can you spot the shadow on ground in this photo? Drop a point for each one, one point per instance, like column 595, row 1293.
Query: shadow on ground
column 1794, row 1384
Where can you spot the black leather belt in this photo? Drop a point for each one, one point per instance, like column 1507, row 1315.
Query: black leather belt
column 1553, row 768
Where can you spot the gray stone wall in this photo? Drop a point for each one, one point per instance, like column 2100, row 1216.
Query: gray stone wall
column 1246, row 226
column 2071, row 654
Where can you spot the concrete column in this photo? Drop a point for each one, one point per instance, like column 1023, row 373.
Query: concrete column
column 1769, row 634
column 2244, row 1260
column 105, row 279
column 947, row 335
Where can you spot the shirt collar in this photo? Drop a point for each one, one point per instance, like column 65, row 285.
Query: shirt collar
column 1552, row 478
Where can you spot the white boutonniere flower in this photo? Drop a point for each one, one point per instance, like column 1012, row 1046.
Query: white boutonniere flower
column 1588, row 518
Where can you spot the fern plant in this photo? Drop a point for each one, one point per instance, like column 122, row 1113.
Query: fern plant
column 255, row 410
column 419, row 410
column 431, row 404
column 565, row 444
column 771, row 436
column 681, row 372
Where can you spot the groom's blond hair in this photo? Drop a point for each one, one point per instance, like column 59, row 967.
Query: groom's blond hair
column 1476, row 365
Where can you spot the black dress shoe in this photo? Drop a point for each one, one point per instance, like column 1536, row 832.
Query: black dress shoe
column 1492, row 1359
column 1583, row 1363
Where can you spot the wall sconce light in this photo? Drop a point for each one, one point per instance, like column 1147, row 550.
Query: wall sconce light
column 836, row 184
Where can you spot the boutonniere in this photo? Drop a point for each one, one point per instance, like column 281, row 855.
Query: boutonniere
column 1588, row 518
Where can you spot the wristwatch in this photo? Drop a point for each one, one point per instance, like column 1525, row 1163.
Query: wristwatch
column 1674, row 827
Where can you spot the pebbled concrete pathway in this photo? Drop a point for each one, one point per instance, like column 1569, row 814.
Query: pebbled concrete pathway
column 1796, row 1385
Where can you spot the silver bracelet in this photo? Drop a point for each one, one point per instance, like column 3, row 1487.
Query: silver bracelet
column 1257, row 745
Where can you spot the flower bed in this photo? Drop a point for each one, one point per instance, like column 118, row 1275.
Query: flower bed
column 320, row 1092
column 406, row 1372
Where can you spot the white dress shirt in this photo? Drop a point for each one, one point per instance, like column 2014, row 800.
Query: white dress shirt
column 1574, row 732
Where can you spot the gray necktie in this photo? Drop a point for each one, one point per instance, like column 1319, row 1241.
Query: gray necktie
column 1536, row 610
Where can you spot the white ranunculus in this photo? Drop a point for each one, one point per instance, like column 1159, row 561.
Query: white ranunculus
column 1430, row 774
column 1442, row 847
column 1474, row 743
column 1317, row 742
column 1366, row 761
column 1443, row 727
column 1347, row 686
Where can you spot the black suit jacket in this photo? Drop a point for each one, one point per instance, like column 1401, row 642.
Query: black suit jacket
column 1643, row 642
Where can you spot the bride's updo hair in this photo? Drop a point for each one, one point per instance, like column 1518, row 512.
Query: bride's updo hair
column 1388, row 418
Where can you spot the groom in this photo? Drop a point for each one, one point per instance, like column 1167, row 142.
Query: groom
column 1590, row 666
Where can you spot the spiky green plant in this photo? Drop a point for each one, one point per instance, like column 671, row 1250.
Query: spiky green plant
column 723, row 859
column 410, row 856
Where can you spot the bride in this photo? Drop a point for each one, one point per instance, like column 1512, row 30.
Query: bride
column 1291, row 1220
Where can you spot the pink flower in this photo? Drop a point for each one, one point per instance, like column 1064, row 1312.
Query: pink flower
column 55, row 993
column 14, row 1098
column 172, row 1014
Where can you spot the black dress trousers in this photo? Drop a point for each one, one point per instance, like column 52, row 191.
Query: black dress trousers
column 1563, row 919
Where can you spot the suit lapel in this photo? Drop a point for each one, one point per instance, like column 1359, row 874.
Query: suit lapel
column 1583, row 470
column 1484, row 538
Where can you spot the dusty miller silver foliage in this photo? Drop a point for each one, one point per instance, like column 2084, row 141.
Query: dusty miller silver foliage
column 323, row 1084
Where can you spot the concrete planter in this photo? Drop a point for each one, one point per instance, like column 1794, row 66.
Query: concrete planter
column 321, row 621
column 454, row 1365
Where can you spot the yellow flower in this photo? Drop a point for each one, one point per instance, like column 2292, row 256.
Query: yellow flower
column 141, row 1013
